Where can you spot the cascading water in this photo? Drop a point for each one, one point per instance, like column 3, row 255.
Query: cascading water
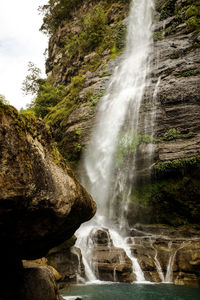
column 110, row 160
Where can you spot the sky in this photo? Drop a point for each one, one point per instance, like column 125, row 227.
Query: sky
column 20, row 42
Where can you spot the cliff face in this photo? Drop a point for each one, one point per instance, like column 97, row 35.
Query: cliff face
column 84, row 49
column 177, row 129
column 41, row 202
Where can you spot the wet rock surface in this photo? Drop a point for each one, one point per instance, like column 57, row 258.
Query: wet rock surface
column 108, row 262
column 168, row 254
column 67, row 260
column 165, row 254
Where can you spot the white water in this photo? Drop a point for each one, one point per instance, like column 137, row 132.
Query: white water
column 109, row 179
column 120, row 242
column 169, row 274
column 119, row 108
column 157, row 263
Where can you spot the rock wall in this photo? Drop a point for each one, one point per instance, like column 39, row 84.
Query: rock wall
column 41, row 201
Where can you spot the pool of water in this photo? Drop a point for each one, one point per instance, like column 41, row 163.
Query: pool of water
column 131, row 292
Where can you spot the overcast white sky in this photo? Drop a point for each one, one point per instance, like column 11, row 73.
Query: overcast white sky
column 20, row 42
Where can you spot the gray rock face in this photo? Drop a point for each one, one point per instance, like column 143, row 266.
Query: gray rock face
column 41, row 202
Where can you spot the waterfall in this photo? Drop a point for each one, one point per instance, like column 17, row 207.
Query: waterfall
column 157, row 263
column 110, row 160
column 169, row 273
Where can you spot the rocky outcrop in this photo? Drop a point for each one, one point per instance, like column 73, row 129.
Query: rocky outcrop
column 41, row 201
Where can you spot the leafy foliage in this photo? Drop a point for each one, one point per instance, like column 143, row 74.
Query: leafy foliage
column 93, row 27
column 173, row 134
column 176, row 165
column 32, row 82
column 55, row 12
column 48, row 96
column 3, row 101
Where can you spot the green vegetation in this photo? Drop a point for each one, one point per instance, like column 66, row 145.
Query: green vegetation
column 193, row 23
column 173, row 134
column 177, row 165
column 56, row 12
column 92, row 32
column 191, row 11
column 3, row 101
column 145, row 107
column 158, row 35
column 59, row 113
column 94, row 99
column 188, row 73
column 187, row 12
column 32, row 82
column 127, row 144
column 119, row 43
column 48, row 96
column 166, row 8
column 173, row 201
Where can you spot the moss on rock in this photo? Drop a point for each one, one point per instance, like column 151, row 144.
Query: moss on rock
column 173, row 200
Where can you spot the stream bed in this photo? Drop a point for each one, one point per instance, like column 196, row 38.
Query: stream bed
column 117, row 291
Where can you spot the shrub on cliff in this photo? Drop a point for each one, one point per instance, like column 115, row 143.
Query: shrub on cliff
column 47, row 97
column 55, row 12
column 58, row 11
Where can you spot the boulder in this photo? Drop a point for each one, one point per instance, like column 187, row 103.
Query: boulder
column 38, row 283
column 42, row 204
column 41, row 201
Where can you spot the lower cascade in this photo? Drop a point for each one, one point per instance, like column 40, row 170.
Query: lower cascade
column 142, row 257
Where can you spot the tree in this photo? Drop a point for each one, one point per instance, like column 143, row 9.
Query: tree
column 3, row 100
column 32, row 82
column 55, row 12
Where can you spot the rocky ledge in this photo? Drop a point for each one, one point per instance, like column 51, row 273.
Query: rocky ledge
column 41, row 201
